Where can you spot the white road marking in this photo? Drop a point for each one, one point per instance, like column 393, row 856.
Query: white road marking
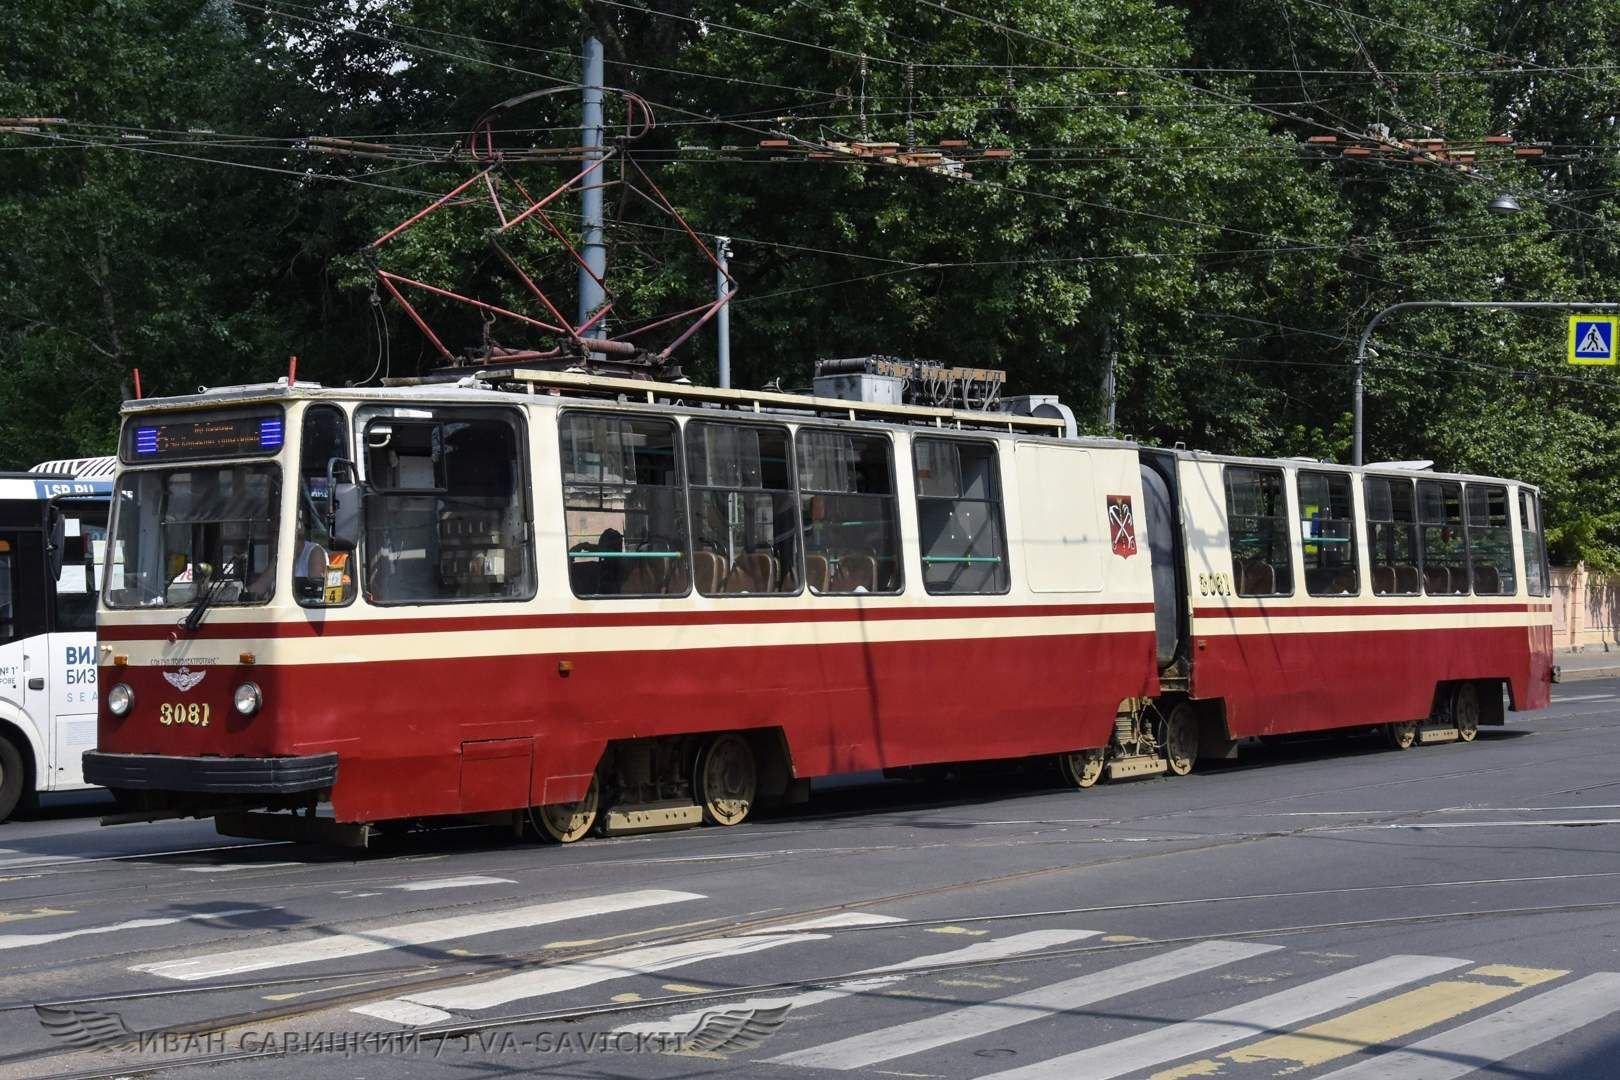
column 620, row 965
column 18, row 941
column 832, row 922
column 1274, row 1012
column 229, row 868
column 1582, row 697
column 1015, row 945
column 1491, row 1039
column 405, row 1012
column 452, row 883
column 972, row 1021
column 1474, row 824
column 357, row 943
column 53, row 860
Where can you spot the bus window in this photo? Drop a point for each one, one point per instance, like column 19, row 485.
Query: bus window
column 850, row 512
column 1328, row 534
column 1490, row 540
column 22, row 577
column 1257, row 517
column 324, row 438
column 84, row 531
column 745, row 520
column 623, row 504
column 959, row 516
column 1445, row 548
column 1536, row 580
column 1392, row 537
column 447, row 520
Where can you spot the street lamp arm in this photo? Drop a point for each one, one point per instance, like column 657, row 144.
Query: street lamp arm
column 1498, row 305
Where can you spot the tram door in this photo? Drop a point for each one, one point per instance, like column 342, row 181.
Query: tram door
column 1158, row 508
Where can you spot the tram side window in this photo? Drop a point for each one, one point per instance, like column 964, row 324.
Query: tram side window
column 321, row 576
column 1445, row 547
column 84, row 538
column 624, row 506
column 446, row 520
column 849, row 511
column 1257, row 516
column 1531, row 539
column 1392, row 537
column 959, row 516
column 1328, row 534
column 1490, row 540
column 745, row 520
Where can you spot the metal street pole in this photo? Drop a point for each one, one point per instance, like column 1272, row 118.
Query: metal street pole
column 722, row 318
column 593, row 249
column 1504, row 305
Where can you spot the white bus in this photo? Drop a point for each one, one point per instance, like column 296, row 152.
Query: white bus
column 53, row 539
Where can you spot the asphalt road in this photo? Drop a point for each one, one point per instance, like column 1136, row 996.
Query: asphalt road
column 1322, row 909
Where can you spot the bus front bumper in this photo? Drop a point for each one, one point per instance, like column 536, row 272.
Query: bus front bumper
column 212, row 775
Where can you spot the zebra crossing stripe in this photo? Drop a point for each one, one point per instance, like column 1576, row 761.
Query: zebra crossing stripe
column 1271, row 1013
column 381, row 939
column 988, row 1017
column 620, row 965
column 871, row 979
column 1491, row 1039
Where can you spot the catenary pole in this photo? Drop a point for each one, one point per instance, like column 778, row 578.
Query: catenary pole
column 592, row 248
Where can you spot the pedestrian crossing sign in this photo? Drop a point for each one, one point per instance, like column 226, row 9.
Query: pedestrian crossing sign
column 1591, row 339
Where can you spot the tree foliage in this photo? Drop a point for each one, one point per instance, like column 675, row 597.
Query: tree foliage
column 1161, row 208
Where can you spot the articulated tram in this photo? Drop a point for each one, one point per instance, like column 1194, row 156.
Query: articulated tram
column 597, row 604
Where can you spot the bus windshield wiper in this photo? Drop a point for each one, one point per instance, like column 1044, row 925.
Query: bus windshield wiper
column 216, row 585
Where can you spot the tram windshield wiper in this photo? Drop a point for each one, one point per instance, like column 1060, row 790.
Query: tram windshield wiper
column 216, row 585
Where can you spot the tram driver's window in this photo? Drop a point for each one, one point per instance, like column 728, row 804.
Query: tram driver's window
column 1445, row 546
column 745, row 520
column 321, row 575
column 1490, row 540
column 446, row 517
column 959, row 516
column 1392, row 555
column 624, row 506
column 1327, row 532
column 850, row 513
column 1536, row 581
column 1257, row 519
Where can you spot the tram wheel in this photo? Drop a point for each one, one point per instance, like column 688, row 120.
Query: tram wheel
column 1402, row 735
column 563, row 823
column 1081, row 768
column 1181, row 739
column 1465, row 710
column 727, row 777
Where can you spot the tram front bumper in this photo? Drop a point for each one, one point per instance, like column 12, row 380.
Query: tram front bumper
column 212, row 775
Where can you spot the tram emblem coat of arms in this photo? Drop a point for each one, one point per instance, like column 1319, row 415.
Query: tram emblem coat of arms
column 1122, row 525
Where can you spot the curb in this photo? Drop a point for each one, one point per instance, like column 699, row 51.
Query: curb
column 1569, row 675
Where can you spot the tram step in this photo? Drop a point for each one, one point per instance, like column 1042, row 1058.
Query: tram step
column 1139, row 765
column 650, row 817
column 1437, row 734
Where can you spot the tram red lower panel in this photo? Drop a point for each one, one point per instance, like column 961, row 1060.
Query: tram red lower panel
column 427, row 737
column 1280, row 683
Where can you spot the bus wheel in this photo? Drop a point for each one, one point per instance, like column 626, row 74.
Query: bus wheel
column 1402, row 735
column 11, row 777
column 1082, row 768
column 1465, row 710
column 563, row 823
column 726, row 779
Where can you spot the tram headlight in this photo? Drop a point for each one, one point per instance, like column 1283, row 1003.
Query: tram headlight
column 248, row 698
column 120, row 699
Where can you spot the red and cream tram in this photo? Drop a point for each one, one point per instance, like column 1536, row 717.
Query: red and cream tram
column 587, row 603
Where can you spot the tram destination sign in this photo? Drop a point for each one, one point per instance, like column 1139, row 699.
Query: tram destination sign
column 233, row 435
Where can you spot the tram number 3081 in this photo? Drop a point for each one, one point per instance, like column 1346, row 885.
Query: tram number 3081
column 192, row 713
column 1216, row 584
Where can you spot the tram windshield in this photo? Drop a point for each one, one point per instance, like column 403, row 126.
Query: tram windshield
column 179, row 534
